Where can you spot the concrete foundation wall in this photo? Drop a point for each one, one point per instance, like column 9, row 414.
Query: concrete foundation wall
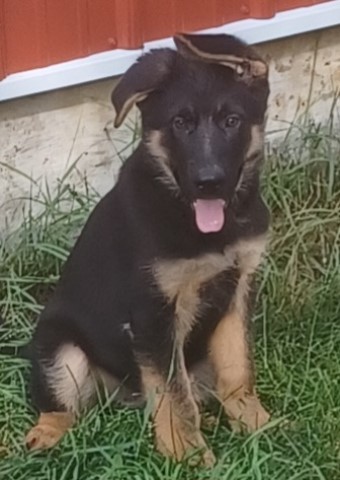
column 42, row 135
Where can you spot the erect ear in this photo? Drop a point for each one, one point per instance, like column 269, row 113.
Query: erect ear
column 225, row 50
column 145, row 76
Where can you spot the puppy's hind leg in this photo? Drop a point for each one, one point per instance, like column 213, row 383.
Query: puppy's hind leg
column 62, row 385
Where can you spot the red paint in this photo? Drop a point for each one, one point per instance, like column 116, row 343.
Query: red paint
column 191, row 16
column 227, row 11
column 264, row 9
column 37, row 33
column 66, row 29
column 290, row 4
column 159, row 19
column 24, row 31
column 102, row 34
column 129, row 17
column 2, row 42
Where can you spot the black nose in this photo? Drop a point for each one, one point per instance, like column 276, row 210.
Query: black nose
column 209, row 181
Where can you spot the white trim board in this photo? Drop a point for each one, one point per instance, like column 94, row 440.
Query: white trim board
column 116, row 62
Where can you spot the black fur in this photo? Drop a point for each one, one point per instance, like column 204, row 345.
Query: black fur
column 107, row 282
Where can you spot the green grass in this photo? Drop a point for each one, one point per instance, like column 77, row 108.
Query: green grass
column 297, row 341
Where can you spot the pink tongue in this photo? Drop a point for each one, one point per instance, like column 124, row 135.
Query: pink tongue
column 209, row 215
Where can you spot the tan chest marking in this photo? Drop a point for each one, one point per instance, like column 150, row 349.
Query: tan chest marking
column 180, row 280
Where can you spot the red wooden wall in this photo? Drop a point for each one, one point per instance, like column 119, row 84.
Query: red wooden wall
column 37, row 33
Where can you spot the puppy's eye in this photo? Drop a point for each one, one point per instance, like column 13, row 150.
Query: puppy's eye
column 231, row 121
column 179, row 122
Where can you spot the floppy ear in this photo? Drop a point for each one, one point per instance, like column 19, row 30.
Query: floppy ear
column 145, row 76
column 225, row 50
column 231, row 52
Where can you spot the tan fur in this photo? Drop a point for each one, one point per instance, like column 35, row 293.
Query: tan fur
column 175, row 413
column 50, row 428
column 137, row 97
column 230, row 351
column 249, row 261
column 258, row 68
column 176, row 418
column 155, row 146
column 256, row 141
column 70, row 378
column 229, row 354
column 176, row 436
column 181, row 280
column 158, row 152
column 252, row 157
column 153, row 382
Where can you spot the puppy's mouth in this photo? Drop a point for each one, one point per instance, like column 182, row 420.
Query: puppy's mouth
column 209, row 214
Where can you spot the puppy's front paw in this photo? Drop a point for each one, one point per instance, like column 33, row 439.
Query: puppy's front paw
column 180, row 445
column 246, row 413
column 181, row 440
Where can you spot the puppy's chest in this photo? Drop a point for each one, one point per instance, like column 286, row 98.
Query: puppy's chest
column 194, row 285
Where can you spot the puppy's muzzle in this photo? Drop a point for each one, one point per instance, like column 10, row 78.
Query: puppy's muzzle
column 209, row 182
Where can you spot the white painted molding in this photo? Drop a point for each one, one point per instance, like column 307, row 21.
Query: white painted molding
column 116, row 62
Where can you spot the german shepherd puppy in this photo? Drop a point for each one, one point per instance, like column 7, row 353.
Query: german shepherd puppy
column 155, row 298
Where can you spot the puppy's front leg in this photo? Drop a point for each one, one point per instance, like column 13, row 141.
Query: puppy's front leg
column 231, row 357
column 159, row 352
column 175, row 413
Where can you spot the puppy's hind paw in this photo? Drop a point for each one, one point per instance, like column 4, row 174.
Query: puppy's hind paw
column 48, row 432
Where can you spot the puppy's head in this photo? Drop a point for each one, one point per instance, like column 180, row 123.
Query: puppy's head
column 203, row 111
